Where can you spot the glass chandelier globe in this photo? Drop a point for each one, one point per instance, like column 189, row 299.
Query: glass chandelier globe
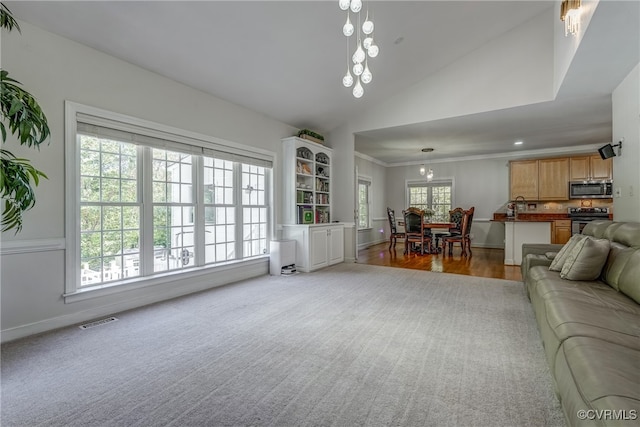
column 358, row 90
column 373, row 50
column 367, row 26
column 359, row 54
column 344, row 4
column 347, row 80
column 347, row 29
column 366, row 74
column 367, row 42
column 356, row 5
column 358, row 69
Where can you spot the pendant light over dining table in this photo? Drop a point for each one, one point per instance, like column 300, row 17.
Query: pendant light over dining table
column 423, row 169
column 364, row 50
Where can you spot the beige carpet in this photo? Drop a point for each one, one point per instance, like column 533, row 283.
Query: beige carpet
column 348, row 345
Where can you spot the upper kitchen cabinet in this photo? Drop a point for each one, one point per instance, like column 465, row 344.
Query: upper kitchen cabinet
column 553, row 178
column 523, row 179
column 586, row 168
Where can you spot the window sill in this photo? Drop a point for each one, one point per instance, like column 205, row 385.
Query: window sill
column 143, row 282
column 365, row 229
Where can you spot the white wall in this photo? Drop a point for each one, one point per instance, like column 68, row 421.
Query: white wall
column 55, row 69
column 377, row 173
column 482, row 183
column 489, row 78
column 626, row 124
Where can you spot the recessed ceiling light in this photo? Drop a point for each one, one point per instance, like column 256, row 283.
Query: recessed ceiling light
column 518, row 143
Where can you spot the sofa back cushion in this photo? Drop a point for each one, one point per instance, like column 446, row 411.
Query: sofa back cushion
column 618, row 258
column 628, row 233
column 561, row 256
column 586, row 259
column 629, row 279
column 596, row 228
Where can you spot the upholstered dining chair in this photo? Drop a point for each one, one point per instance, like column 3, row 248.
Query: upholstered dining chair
column 455, row 217
column 393, row 229
column 464, row 238
column 414, row 230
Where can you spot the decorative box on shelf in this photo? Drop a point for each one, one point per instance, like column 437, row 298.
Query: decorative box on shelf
column 310, row 138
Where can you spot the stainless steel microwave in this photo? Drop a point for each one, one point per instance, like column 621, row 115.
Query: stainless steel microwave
column 590, row 189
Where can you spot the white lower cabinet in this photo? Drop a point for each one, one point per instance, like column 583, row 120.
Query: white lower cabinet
column 317, row 246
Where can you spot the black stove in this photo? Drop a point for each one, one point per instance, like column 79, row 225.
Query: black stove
column 593, row 213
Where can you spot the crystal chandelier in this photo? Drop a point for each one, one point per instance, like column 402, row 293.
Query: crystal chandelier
column 365, row 49
column 570, row 15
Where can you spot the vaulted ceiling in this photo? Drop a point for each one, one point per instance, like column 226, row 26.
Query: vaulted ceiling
column 286, row 60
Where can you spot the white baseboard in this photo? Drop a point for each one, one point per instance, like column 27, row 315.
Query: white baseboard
column 186, row 287
column 369, row 244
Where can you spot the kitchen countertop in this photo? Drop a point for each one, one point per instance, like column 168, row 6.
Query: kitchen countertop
column 533, row 217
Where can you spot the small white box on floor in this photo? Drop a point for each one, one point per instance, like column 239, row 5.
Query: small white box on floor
column 282, row 257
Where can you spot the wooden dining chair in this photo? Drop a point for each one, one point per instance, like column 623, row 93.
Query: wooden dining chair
column 464, row 237
column 414, row 232
column 393, row 229
column 455, row 217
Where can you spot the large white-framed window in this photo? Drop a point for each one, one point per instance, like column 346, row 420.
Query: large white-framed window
column 364, row 203
column 434, row 195
column 146, row 201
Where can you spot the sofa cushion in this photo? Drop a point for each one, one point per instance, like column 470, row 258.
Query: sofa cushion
column 586, row 259
column 616, row 261
column 561, row 257
column 588, row 292
column 597, row 375
column 596, row 228
column 570, row 318
column 628, row 233
column 629, row 280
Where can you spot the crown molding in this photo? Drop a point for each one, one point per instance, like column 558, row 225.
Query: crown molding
column 580, row 149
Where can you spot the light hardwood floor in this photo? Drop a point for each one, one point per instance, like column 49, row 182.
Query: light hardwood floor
column 484, row 262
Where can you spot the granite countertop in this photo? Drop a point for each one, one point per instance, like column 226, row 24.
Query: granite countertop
column 533, row 217
column 530, row 217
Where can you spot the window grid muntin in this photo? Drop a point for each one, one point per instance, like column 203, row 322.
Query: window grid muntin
column 145, row 216
column 219, row 210
column 254, row 210
column 435, row 196
column 364, row 203
column 102, row 161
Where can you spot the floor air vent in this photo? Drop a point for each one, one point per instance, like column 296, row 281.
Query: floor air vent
column 98, row 323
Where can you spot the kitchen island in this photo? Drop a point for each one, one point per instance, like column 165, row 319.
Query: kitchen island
column 526, row 228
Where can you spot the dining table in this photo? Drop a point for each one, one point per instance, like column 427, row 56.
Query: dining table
column 435, row 248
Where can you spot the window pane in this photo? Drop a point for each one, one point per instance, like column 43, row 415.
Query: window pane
column 111, row 176
column 110, row 230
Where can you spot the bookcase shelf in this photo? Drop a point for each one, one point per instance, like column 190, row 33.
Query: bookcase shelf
column 307, row 182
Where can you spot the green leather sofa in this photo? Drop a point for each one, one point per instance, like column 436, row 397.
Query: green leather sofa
column 590, row 329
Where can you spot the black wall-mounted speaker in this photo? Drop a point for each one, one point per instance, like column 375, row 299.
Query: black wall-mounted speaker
column 606, row 151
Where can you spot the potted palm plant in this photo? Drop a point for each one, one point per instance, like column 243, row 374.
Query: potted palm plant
column 26, row 120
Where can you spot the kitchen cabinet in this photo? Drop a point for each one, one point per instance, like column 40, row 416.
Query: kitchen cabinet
column 561, row 231
column 553, row 179
column 317, row 245
column 523, row 179
column 593, row 167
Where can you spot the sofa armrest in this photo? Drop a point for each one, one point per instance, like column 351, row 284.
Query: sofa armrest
column 539, row 248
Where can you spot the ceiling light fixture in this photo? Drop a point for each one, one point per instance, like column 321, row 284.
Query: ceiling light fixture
column 364, row 48
column 570, row 15
column 518, row 143
column 423, row 170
